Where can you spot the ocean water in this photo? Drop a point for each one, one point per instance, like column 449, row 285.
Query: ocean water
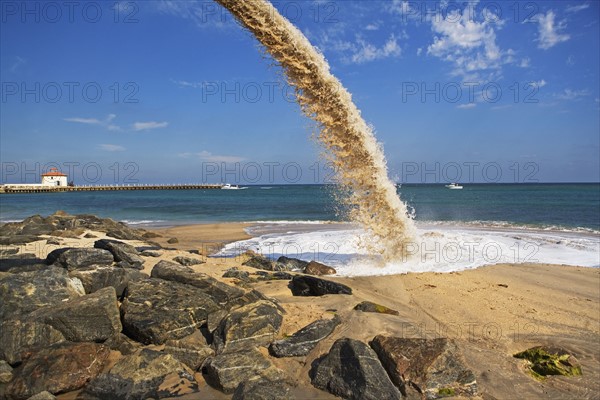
column 458, row 229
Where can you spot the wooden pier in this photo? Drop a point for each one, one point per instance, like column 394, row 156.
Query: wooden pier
column 16, row 188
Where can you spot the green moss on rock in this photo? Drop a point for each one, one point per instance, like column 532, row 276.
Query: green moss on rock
column 546, row 361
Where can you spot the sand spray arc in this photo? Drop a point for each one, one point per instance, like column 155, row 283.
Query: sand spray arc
column 349, row 141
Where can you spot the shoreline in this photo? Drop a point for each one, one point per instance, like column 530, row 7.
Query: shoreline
column 334, row 243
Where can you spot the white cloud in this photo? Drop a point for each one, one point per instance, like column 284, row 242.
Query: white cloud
column 466, row 106
column 419, row 51
column 372, row 27
column 210, row 157
column 569, row 94
column 549, row 31
column 368, row 52
column 95, row 121
column 111, row 147
column 525, row 63
column 141, row 126
column 468, row 44
column 194, row 85
column 90, row 121
column 540, row 83
column 577, row 8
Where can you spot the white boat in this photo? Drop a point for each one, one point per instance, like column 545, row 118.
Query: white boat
column 229, row 186
column 454, row 186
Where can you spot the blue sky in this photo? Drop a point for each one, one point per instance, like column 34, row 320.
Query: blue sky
column 163, row 91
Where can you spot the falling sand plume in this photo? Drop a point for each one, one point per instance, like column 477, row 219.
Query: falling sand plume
column 350, row 144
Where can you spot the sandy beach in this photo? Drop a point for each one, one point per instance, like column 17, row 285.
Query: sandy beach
column 492, row 312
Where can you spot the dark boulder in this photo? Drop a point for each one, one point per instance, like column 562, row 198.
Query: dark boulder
column 291, row 264
column 20, row 336
column 122, row 344
column 227, row 370
column 173, row 240
column 367, row 306
column 142, row 375
column 156, row 310
column 96, row 277
column 235, row 272
column 120, row 251
column 275, row 276
column 303, row 341
column 434, row 367
column 25, row 262
column 18, row 239
column 192, row 350
column 150, row 253
column 187, row 261
column 61, row 221
column 91, row 318
column 262, row 389
column 305, row 285
column 259, row 261
column 316, row 268
column 351, row 370
column 252, row 325
column 219, row 291
column 72, row 259
column 57, row 369
column 28, row 291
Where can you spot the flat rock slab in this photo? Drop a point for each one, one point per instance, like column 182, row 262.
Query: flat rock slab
column 351, row 370
column 57, row 369
column 434, row 367
column 120, row 251
column 91, row 318
column 305, row 285
column 252, row 325
column 72, row 259
column 142, row 375
column 227, row 370
column 303, row 341
column 219, row 291
column 156, row 310
column 259, row 261
column 26, row 292
column 19, row 336
column 96, row 277
column 187, row 261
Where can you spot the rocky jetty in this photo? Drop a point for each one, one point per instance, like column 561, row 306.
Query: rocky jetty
column 86, row 317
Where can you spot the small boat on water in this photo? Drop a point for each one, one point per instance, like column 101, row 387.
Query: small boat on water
column 454, row 186
column 229, row 186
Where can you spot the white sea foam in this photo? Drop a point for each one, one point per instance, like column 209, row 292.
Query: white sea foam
column 445, row 249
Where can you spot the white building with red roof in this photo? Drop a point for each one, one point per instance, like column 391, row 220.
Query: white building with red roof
column 54, row 178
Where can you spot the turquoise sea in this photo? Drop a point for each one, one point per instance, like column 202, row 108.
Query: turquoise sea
column 556, row 206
